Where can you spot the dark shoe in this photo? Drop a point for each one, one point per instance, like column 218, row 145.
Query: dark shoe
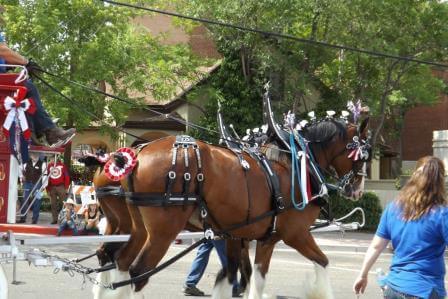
column 193, row 291
column 36, row 141
column 56, row 134
column 34, row 222
column 53, row 222
column 21, row 221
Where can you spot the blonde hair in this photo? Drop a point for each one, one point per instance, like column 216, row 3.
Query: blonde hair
column 424, row 190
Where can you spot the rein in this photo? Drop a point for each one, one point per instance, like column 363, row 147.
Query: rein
column 159, row 268
column 181, row 254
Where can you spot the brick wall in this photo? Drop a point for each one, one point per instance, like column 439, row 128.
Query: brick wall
column 202, row 44
column 419, row 123
column 199, row 40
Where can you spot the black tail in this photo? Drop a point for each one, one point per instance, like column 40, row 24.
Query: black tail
column 119, row 160
column 90, row 161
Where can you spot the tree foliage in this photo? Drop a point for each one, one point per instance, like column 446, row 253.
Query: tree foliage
column 300, row 72
column 98, row 45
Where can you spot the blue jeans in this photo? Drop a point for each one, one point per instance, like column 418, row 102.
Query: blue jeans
column 40, row 121
column 67, row 224
column 201, row 261
column 27, row 188
column 390, row 293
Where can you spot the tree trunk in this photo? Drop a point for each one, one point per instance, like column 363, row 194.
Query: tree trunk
column 383, row 100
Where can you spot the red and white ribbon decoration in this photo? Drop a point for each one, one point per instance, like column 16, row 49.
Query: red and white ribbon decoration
column 354, row 154
column 102, row 158
column 305, row 182
column 18, row 106
column 115, row 172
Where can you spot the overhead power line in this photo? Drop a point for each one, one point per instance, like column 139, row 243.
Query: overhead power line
column 279, row 35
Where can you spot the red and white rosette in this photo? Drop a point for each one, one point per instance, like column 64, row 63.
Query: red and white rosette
column 115, row 172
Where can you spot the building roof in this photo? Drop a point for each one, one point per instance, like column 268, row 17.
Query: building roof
column 158, row 122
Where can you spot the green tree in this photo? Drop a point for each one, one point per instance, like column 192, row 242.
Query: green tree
column 300, row 72
column 98, row 45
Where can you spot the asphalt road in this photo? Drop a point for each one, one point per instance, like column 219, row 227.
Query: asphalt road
column 285, row 280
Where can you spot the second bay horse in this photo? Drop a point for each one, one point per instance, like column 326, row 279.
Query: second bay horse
column 121, row 218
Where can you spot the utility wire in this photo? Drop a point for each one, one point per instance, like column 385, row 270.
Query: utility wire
column 279, row 35
column 80, row 108
column 96, row 90
column 93, row 89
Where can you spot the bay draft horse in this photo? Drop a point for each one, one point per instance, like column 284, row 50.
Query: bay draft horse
column 234, row 196
column 125, row 218
column 122, row 218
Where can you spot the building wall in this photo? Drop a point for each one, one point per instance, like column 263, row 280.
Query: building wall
column 199, row 41
column 420, row 122
column 94, row 138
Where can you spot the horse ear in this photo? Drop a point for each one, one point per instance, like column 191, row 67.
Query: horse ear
column 364, row 125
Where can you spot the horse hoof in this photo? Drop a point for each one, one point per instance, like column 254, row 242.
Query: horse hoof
column 103, row 258
column 138, row 286
column 133, row 272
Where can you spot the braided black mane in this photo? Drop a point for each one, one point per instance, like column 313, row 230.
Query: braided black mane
column 325, row 131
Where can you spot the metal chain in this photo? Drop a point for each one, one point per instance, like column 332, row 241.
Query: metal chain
column 72, row 267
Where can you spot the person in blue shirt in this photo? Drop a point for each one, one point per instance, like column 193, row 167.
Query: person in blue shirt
column 41, row 122
column 417, row 225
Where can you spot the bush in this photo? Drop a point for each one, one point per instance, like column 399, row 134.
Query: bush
column 46, row 205
column 82, row 175
column 369, row 202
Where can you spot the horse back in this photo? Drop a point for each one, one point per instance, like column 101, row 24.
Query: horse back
column 231, row 193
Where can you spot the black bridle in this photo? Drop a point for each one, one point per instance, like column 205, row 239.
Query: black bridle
column 347, row 179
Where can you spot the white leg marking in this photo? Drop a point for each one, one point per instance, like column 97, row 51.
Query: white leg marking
column 321, row 289
column 114, row 275
column 222, row 290
column 256, row 285
column 3, row 284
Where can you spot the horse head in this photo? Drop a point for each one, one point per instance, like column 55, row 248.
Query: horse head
column 334, row 143
column 343, row 147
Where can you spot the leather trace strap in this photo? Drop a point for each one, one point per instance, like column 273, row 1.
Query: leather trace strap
column 109, row 191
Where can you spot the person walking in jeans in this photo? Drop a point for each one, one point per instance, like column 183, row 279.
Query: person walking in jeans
column 417, row 225
column 32, row 181
column 200, row 263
